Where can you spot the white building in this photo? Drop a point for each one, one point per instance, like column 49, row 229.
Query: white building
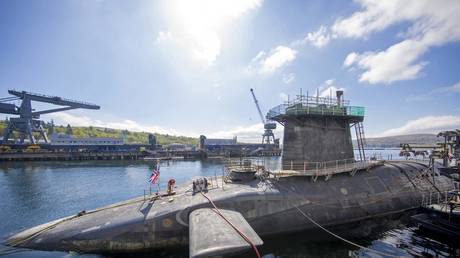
column 65, row 139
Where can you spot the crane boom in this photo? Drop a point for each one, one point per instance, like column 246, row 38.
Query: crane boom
column 258, row 107
column 52, row 99
column 27, row 123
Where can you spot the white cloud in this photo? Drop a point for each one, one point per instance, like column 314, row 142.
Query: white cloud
column 318, row 38
column 74, row 120
column 350, row 59
column 399, row 62
column 288, row 78
column 163, row 36
column 251, row 133
column 454, row 88
column 433, row 23
column 276, row 59
column 284, row 96
column 328, row 89
column 198, row 25
column 428, row 124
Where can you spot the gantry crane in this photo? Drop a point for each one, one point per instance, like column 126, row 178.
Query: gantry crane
column 268, row 137
column 28, row 122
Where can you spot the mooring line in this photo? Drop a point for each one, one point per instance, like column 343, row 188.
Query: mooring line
column 247, row 239
column 343, row 239
column 335, row 235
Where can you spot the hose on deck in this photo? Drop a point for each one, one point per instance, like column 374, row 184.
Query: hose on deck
column 216, row 210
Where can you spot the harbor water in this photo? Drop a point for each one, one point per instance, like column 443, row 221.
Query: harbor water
column 33, row 193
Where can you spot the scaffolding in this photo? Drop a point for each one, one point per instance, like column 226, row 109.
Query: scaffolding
column 313, row 105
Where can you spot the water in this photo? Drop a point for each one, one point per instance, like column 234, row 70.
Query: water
column 37, row 192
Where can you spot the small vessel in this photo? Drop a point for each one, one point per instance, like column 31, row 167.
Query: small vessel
column 442, row 216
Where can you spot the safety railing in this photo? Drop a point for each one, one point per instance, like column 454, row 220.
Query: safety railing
column 326, row 167
column 314, row 109
column 246, row 164
column 440, row 198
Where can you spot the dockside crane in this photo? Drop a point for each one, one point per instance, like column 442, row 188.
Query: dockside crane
column 27, row 123
column 268, row 137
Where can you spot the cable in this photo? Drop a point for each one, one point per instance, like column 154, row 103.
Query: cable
column 331, row 233
column 343, row 239
column 216, row 210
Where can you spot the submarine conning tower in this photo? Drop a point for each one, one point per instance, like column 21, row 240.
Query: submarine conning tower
column 317, row 129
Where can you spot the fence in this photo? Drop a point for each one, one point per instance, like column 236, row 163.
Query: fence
column 327, row 167
column 314, row 109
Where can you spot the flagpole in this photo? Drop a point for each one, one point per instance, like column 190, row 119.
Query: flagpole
column 158, row 182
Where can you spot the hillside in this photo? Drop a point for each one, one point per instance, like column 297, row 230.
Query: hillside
column 395, row 141
column 131, row 137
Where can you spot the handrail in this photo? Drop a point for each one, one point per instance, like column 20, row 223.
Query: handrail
column 325, row 167
column 314, row 109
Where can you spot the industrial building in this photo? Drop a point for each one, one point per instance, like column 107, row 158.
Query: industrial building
column 65, row 139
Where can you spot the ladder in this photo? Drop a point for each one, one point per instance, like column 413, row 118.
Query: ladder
column 360, row 139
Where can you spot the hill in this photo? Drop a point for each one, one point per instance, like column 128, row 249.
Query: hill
column 130, row 137
column 395, row 141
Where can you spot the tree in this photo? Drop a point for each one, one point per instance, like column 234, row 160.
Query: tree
column 69, row 130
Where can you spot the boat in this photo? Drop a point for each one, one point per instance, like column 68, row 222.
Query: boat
column 320, row 184
column 441, row 217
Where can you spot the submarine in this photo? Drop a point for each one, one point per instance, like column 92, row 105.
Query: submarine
column 320, row 183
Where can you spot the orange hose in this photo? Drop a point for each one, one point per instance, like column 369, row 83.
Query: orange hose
column 216, row 210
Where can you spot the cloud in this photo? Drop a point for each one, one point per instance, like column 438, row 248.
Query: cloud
column 284, row 96
column 428, row 124
column 350, row 59
column 74, row 120
column 271, row 62
column 252, row 133
column 327, row 88
column 455, row 88
column 319, row 38
column 163, row 36
column 198, row 25
column 288, row 78
column 397, row 63
column 433, row 23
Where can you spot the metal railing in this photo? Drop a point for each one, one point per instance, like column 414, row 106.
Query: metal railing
column 245, row 164
column 435, row 198
column 314, row 109
column 326, row 167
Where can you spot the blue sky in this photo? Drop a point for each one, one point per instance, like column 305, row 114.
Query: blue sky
column 186, row 67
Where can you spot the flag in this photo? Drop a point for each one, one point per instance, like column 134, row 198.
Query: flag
column 155, row 174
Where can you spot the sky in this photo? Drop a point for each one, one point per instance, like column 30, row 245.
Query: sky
column 186, row 67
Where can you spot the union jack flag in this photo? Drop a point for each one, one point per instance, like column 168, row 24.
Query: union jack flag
column 155, row 174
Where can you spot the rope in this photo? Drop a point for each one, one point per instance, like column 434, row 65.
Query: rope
column 343, row 239
column 216, row 210
column 333, row 234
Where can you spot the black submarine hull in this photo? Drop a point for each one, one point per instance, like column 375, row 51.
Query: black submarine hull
column 269, row 205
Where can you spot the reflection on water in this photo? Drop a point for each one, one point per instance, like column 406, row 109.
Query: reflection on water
column 37, row 192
